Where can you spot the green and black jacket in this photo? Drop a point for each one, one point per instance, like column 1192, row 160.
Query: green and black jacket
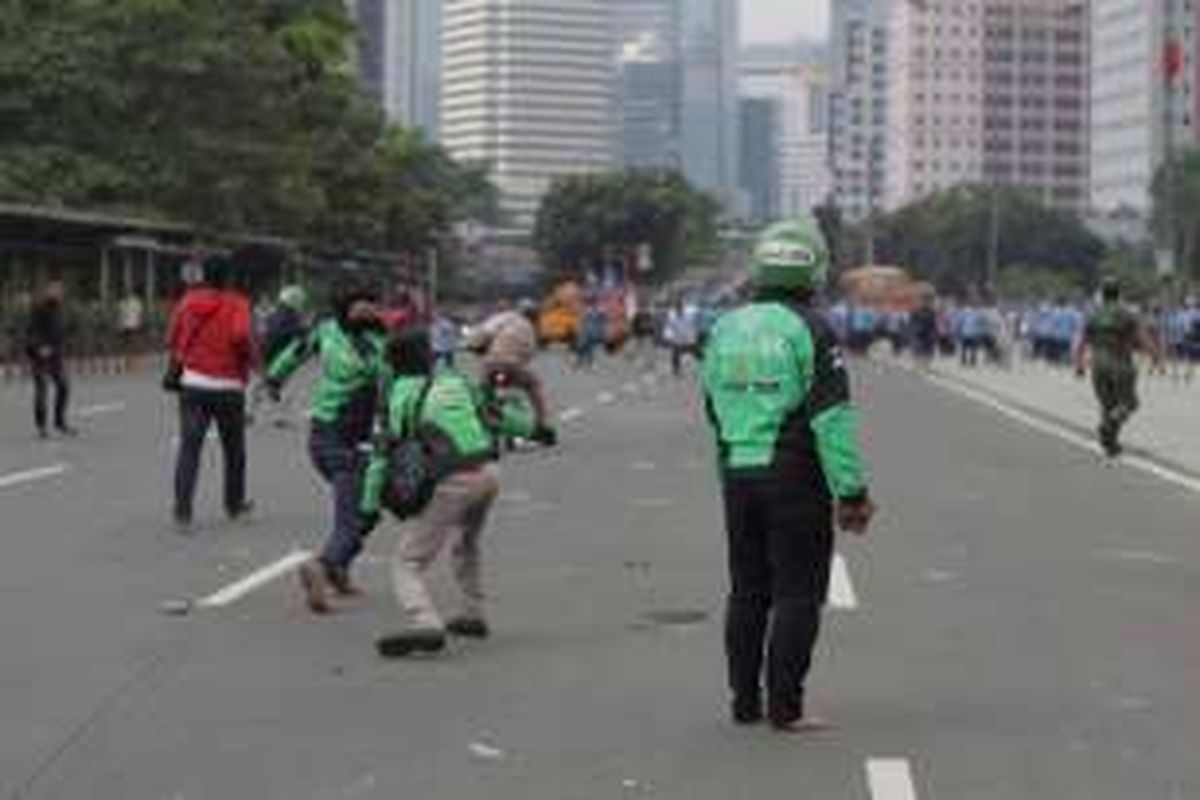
column 778, row 395
column 352, row 368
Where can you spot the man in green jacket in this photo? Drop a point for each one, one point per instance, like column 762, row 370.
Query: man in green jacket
column 449, row 410
column 351, row 349
column 778, row 396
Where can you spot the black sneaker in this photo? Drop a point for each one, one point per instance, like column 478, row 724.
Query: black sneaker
column 241, row 512
column 402, row 645
column 68, row 431
column 468, row 628
column 747, row 713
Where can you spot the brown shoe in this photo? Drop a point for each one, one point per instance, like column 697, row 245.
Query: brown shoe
column 338, row 579
column 316, row 587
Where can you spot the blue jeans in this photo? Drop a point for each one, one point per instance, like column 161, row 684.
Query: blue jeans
column 341, row 465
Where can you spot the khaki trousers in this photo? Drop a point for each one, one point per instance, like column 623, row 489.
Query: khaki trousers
column 456, row 515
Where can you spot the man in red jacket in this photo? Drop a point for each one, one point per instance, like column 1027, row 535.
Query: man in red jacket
column 211, row 336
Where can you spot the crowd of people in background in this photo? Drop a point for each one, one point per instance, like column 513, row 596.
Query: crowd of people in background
column 977, row 331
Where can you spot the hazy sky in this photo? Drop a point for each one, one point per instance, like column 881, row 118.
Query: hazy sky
column 774, row 20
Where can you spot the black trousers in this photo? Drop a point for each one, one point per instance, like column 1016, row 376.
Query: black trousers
column 48, row 371
column 780, row 549
column 197, row 410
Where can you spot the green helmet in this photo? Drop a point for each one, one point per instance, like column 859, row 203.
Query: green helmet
column 790, row 255
column 294, row 297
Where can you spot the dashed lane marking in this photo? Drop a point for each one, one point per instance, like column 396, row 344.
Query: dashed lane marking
column 606, row 398
column 99, row 410
column 841, row 590
column 890, row 779
column 1070, row 437
column 31, row 475
column 255, row 580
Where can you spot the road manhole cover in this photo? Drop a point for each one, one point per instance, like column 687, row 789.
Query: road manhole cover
column 676, row 618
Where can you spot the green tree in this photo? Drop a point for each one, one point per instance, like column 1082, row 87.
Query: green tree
column 945, row 238
column 236, row 116
column 1176, row 193
column 584, row 218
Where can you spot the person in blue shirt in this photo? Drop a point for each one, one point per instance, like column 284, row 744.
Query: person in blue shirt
column 972, row 331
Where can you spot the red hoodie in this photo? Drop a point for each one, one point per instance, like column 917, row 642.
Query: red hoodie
column 211, row 334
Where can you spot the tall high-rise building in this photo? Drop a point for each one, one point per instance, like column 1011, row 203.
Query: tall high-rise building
column 935, row 98
column 1035, row 101
column 988, row 92
column 858, row 107
column 1130, row 100
column 758, row 162
column 398, row 57
column 796, row 79
column 529, row 87
column 709, row 112
column 651, row 81
column 678, row 98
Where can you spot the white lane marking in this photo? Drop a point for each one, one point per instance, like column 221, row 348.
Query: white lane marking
column 1066, row 435
column 606, row 398
column 97, row 410
column 30, row 475
column 630, row 388
column 1136, row 556
column 571, row 414
column 890, row 779
column 841, row 591
column 643, row 466
column 255, row 580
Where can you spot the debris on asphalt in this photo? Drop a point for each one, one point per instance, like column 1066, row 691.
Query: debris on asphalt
column 176, row 608
column 486, row 752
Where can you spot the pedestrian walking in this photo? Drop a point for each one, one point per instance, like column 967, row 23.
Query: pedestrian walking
column 351, row 348
column 131, row 318
column 1112, row 335
column 45, row 342
column 923, row 327
column 778, row 395
column 210, row 337
column 682, row 335
column 445, row 407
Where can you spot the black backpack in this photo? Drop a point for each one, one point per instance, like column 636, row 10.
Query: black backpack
column 412, row 474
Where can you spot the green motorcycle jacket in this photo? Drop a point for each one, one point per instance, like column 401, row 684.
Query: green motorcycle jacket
column 454, row 410
column 778, row 395
column 352, row 368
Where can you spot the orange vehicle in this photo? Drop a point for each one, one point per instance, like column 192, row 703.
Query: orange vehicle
column 561, row 315
column 882, row 287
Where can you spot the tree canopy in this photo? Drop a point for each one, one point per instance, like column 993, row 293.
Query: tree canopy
column 945, row 238
column 584, row 218
column 1176, row 192
column 236, row 116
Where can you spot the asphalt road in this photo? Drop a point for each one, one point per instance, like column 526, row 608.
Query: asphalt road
column 1022, row 624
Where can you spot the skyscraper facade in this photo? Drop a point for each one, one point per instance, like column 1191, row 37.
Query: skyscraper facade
column 935, row 98
column 529, row 87
column 990, row 92
column 758, row 161
column 398, row 57
column 858, row 105
column 796, row 79
column 709, row 111
column 651, row 82
column 1136, row 115
column 1035, row 112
